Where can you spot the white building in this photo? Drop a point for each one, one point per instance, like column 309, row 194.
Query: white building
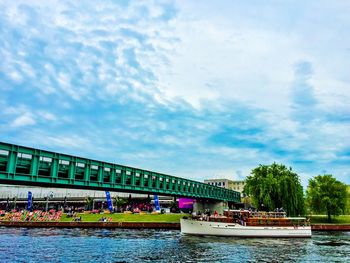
column 228, row 184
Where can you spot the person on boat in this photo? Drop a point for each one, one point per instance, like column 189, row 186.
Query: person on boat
column 194, row 215
column 216, row 213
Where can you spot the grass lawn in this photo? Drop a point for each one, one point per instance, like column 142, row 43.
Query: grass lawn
column 322, row 219
column 118, row 217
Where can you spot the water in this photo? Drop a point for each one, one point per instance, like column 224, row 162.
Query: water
column 102, row 245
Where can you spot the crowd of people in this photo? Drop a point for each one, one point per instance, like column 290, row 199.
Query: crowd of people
column 138, row 207
column 24, row 215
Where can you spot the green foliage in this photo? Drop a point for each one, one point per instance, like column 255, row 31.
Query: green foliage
column 275, row 186
column 88, row 202
column 119, row 202
column 326, row 195
column 347, row 210
column 174, row 207
column 323, row 219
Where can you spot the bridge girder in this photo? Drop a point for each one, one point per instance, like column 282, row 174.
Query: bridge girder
column 21, row 165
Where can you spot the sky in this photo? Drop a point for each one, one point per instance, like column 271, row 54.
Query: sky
column 196, row 89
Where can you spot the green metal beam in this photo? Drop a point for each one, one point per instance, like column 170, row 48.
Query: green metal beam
column 21, row 165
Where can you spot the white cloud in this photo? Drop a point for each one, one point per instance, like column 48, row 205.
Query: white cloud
column 24, row 120
column 153, row 92
column 47, row 116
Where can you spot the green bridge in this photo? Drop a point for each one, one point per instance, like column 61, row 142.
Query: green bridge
column 21, row 165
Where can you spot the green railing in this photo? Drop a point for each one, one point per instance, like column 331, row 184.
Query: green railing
column 21, row 165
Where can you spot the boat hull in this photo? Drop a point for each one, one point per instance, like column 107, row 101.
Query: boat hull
column 194, row 227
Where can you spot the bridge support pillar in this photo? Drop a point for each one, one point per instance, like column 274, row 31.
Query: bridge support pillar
column 202, row 205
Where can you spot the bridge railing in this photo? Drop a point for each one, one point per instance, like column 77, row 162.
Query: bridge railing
column 29, row 166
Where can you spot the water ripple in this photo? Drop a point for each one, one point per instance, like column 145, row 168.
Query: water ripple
column 121, row 245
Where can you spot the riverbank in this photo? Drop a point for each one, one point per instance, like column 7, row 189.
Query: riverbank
column 136, row 225
column 126, row 225
column 323, row 219
column 330, row 227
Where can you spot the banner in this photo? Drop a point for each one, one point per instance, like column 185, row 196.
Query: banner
column 109, row 201
column 30, row 203
column 186, row 204
column 156, row 202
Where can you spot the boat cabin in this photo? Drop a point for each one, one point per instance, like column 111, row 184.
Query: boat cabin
column 250, row 218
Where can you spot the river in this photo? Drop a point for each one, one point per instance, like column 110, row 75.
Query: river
column 121, row 245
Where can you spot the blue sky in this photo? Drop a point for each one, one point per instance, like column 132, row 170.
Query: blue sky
column 197, row 90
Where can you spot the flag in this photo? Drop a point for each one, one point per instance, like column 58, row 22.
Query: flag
column 109, row 201
column 156, row 202
column 29, row 205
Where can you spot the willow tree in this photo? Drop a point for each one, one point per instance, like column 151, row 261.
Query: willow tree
column 326, row 195
column 275, row 186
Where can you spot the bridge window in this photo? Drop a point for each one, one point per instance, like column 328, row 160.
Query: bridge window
column 154, row 181
column 80, row 165
column 4, row 152
column 23, row 163
column 45, row 159
column 44, row 166
column 3, row 159
column 118, row 176
column 106, row 174
column 24, row 155
column 64, row 162
column 79, row 171
column 145, row 176
column 137, row 179
column 128, row 177
column 63, row 168
column 94, row 173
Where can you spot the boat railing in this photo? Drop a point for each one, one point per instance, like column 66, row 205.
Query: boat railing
column 255, row 221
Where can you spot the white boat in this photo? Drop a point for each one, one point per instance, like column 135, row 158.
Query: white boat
column 249, row 225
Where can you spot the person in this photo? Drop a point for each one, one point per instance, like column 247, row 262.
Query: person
column 216, row 213
column 194, row 214
column 208, row 212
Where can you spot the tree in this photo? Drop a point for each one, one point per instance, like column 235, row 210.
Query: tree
column 347, row 210
column 174, row 207
column 326, row 195
column 275, row 186
column 89, row 202
column 119, row 202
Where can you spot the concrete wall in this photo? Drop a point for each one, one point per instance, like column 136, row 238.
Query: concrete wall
column 201, row 206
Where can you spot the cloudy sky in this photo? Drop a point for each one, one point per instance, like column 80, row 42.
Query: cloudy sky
column 197, row 89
